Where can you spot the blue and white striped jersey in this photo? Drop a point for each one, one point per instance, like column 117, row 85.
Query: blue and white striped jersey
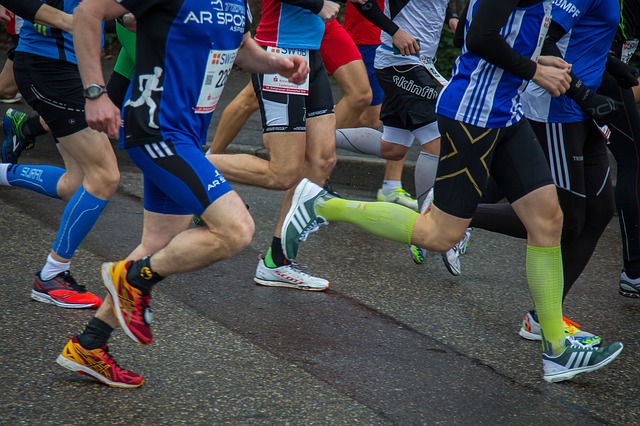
column 591, row 26
column 483, row 94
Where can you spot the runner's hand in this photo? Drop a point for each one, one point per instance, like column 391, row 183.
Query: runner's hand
column 102, row 115
column 329, row 11
column 405, row 43
column 552, row 74
column 294, row 67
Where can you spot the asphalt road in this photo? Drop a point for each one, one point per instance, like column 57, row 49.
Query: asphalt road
column 390, row 343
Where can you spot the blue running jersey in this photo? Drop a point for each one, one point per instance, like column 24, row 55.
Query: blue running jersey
column 46, row 41
column 182, row 64
column 591, row 26
column 483, row 94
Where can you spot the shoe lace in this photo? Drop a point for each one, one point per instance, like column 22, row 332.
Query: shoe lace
column 71, row 282
column 576, row 344
column 310, row 229
column 109, row 359
column 298, row 268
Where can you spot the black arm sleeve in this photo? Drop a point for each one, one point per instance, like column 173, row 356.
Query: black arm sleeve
column 458, row 37
column 449, row 14
column 25, row 9
column 313, row 5
column 484, row 39
column 376, row 16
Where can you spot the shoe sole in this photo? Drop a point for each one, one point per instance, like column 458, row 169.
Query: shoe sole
column 111, row 288
column 45, row 298
column 570, row 374
column 624, row 293
column 283, row 284
column 529, row 336
column 82, row 369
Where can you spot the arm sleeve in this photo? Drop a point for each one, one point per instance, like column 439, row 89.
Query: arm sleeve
column 458, row 36
column 25, row 9
column 372, row 12
column 449, row 13
column 484, row 39
column 314, row 6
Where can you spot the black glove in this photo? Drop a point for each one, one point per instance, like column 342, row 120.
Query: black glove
column 625, row 74
column 601, row 108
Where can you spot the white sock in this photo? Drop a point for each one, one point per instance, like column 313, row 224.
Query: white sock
column 388, row 186
column 52, row 268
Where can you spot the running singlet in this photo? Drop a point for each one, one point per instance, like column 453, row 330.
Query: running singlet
column 422, row 19
column 361, row 30
column 483, row 94
column 590, row 26
column 285, row 25
column 183, row 61
column 46, row 41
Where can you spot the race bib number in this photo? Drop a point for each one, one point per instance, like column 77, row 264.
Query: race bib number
column 279, row 84
column 628, row 49
column 219, row 66
column 429, row 64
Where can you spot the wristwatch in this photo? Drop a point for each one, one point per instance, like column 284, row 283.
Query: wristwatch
column 94, row 91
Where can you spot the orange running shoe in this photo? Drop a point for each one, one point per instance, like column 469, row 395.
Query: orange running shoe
column 62, row 290
column 97, row 363
column 130, row 304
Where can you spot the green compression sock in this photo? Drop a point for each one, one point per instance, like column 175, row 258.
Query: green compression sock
column 387, row 220
column 545, row 276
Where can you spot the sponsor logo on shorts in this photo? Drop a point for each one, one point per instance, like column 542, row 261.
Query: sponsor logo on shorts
column 410, row 86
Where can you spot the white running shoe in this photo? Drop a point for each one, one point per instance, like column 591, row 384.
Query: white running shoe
column 288, row 276
column 576, row 359
column 451, row 258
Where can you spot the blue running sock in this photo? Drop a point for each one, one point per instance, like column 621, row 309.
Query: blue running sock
column 42, row 179
column 78, row 218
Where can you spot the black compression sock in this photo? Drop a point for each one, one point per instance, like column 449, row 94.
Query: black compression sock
column 32, row 128
column 95, row 334
column 141, row 276
column 276, row 252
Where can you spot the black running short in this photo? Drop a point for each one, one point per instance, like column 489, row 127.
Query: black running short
column 410, row 95
column 53, row 89
column 469, row 154
column 283, row 112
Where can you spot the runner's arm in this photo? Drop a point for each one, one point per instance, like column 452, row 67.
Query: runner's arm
column 36, row 11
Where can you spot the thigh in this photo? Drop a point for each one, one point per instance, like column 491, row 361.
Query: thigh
column 54, row 90
column 178, row 178
column 352, row 78
column 320, row 99
column 519, row 165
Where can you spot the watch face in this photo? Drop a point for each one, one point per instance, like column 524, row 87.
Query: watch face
column 94, row 91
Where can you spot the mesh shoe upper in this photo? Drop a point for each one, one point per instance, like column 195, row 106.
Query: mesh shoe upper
column 97, row 363
column 63, row 290
column 131, row 305
column 289, row 276
column 577, row 358
column 15, row 140
column 530, row 330
column 398, row 196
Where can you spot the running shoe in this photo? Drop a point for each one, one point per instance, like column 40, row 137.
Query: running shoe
column 418, row 254
column 97, row 363
column 629, row 287
column 14, row 140
column 530, row 330
column 62, row 290
column 289, row 276
column 17, row 98
column 576, row 359
column 302, row 219
column 130, row 305
column 398, row 196
column 451, row 258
